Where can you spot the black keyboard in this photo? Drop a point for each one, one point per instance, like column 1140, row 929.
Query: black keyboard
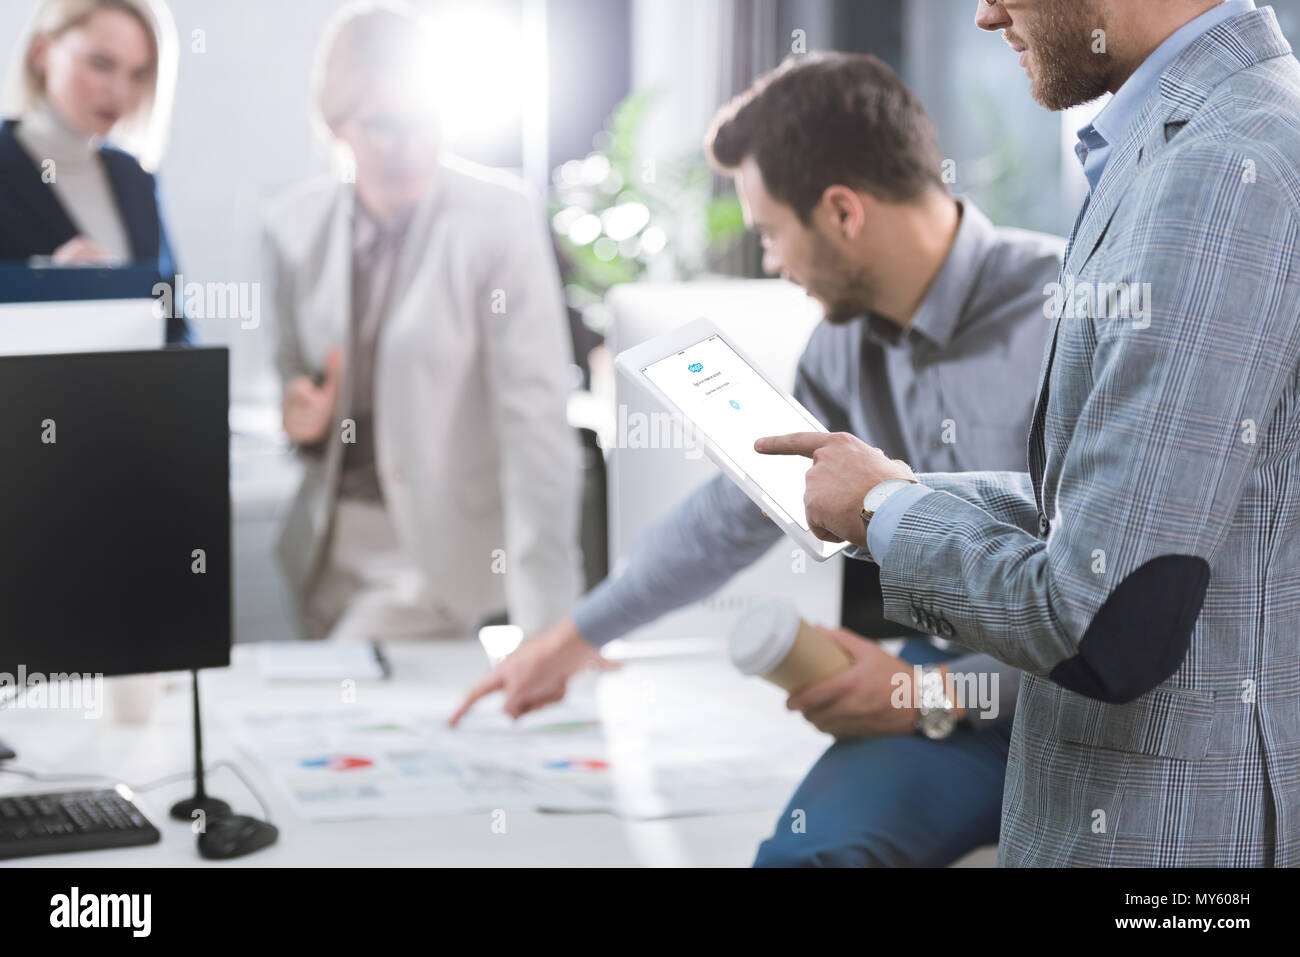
column 65, row 821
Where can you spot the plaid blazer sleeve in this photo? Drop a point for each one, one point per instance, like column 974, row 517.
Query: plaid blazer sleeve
column 1155, row 463
column 1007, row 496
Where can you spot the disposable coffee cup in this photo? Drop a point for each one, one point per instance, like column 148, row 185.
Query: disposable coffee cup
column 771, row 641
column 131, row 698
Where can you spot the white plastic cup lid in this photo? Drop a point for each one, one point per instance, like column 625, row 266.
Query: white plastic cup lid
column 763, row 635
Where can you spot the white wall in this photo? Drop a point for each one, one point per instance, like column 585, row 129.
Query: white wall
column 240, row 134
column 675, row 51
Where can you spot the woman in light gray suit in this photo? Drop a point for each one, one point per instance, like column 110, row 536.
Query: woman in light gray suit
column 426, row 363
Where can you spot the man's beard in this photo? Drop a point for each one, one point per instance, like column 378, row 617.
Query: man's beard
column 841, row 311
column 1068, row 72
column 846, row 291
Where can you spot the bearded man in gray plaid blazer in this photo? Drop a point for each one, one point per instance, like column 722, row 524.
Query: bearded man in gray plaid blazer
column 1145, row 573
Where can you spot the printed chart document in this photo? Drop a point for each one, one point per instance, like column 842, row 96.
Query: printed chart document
column 637, row 748
column 354, row 762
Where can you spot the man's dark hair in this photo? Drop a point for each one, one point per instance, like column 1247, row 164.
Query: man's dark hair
column 825, row 119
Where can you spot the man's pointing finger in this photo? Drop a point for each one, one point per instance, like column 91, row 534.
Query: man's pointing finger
column 796, row 443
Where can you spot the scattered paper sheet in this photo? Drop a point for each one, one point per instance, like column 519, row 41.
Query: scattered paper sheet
column 643, row 760
column 319, row 661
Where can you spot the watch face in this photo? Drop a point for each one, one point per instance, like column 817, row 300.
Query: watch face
column 938, row 724
column 881, row 492
column 938, row 717
column 932, row 696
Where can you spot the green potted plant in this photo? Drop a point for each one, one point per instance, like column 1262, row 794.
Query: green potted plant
column 619, row 216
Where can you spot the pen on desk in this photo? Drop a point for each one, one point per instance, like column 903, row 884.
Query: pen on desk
column 379, row 657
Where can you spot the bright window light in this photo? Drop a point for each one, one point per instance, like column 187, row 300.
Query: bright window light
column 481, row 69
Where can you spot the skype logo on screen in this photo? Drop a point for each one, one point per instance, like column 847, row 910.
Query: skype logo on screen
column 696, row 367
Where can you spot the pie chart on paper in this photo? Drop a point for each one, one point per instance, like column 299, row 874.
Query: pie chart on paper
column 338, row 762
column 578, row 764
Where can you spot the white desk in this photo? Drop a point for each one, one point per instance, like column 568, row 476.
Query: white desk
column 65, row 742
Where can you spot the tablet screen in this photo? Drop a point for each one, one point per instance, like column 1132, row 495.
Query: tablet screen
column 732, row 405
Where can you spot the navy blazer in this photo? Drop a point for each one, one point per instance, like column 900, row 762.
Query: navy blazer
column 33, row 221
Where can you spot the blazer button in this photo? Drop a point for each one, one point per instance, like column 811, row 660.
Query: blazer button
column 1044, row 526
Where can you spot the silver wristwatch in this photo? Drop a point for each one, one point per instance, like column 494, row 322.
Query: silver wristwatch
column 936, row 714
column 877, row 497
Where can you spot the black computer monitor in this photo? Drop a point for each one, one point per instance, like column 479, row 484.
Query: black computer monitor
column 115, row 512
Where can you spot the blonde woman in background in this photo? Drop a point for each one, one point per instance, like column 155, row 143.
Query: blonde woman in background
column 425, row 357
column 84, row 74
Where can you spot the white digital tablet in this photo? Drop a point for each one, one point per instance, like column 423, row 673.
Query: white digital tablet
column 699, row 373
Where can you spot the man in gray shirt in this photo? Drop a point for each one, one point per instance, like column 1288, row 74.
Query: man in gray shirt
column 934, row 330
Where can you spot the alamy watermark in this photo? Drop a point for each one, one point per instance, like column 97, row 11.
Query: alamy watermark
column 131, row 912
column 657, row 430
column 209, row 300
column 1099, row 300
column 35, row 691
column 975, row 692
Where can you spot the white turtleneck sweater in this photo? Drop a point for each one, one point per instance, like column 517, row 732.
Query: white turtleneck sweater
column 80, row 179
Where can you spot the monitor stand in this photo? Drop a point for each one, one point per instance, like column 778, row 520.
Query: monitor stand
column 206, row 807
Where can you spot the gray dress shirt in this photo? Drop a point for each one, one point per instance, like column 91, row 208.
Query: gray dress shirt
column 953, row 392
